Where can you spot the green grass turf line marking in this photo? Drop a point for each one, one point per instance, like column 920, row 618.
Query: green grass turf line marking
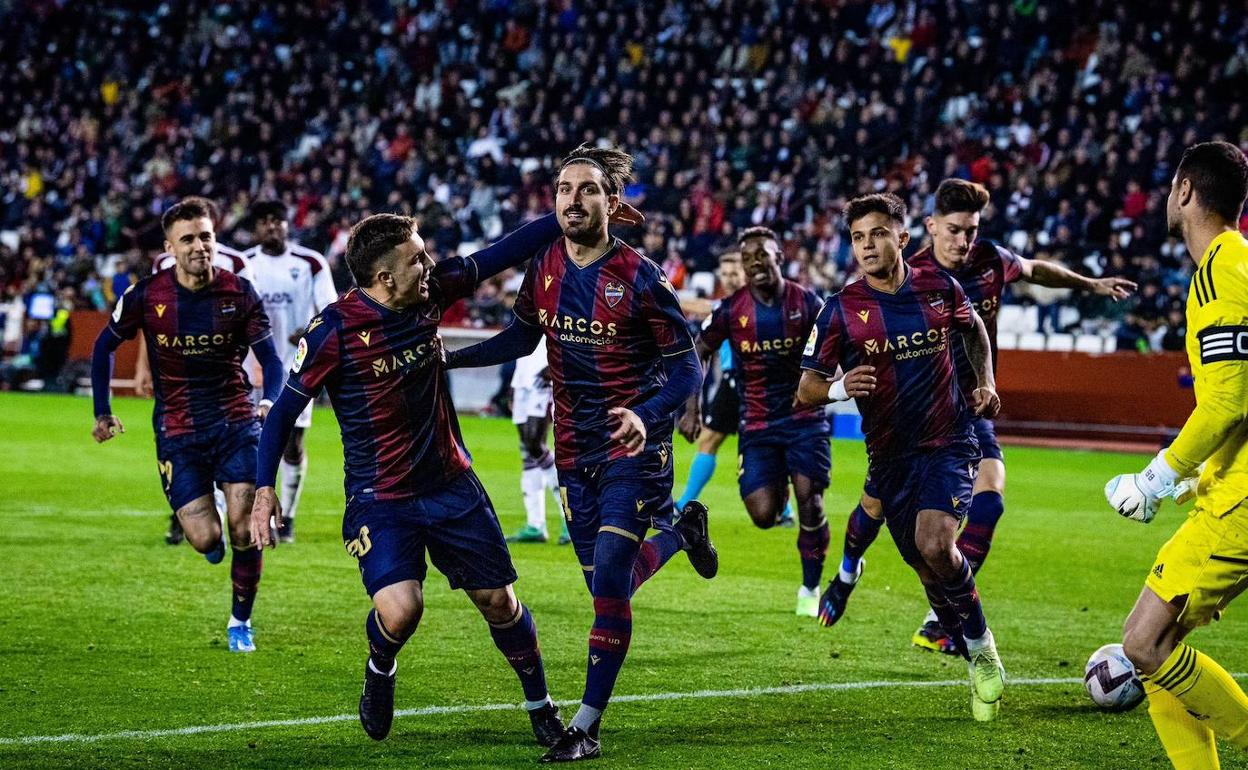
column 750, row 692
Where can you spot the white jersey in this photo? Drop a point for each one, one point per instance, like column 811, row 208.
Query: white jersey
column 225, row 258
column 529, row 367
column 294, row 287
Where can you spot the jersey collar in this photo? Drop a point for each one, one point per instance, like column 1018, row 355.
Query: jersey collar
column 1225, row 239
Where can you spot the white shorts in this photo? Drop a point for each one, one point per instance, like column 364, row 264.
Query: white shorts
column 304, row 420
column 529, row 402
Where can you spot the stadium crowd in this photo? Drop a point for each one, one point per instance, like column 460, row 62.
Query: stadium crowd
column 740, row 112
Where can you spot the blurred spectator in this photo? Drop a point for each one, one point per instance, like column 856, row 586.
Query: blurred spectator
column 739, row 113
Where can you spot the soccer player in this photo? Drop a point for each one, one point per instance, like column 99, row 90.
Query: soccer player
column 530, row 412
column 983, row 269
column 621, row 363
column 765, row 323
column 892, row 334
column 223, row 258
column 198, row 322
column 1204, row 566
column 295, row 284
column 409, row 483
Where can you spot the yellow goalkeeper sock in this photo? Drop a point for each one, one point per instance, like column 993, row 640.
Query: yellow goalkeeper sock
column 1188, row 742
column 1207, row 690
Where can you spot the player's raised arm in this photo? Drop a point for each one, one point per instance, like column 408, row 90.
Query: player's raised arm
column 517, row 340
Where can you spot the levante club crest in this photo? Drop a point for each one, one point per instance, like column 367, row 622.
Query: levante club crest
column 614, row 292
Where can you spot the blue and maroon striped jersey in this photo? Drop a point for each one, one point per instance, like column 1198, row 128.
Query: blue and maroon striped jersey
column 988, row 270
column 196, row 342
column 917, row 403
column 607, row 326
column 766, row 341
column 384, row 374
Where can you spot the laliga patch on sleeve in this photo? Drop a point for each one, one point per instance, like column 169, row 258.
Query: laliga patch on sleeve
column 1223, row 343
column 300, row 354
column 812, row 342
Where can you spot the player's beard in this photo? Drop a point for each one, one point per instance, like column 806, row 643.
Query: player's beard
column 587, row 230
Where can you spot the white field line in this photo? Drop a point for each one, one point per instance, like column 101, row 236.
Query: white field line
column 750, row 692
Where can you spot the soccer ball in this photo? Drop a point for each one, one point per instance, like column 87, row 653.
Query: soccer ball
column 1111, row 680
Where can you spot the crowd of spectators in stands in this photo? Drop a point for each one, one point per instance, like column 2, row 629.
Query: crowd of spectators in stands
column 739, row 112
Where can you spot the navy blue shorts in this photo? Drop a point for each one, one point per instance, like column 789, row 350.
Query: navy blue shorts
column 191, row 464
column 933, row 480
column 771, row 457
column 456, row 524
column 628, row 496
column 723, row 413
column 986, row 435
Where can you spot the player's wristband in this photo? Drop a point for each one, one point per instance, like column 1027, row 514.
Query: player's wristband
column 837, row 391
column 265, row 402
column 1158, row 479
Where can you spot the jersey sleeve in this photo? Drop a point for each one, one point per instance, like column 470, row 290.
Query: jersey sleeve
column 667, row 321
column 316, row 358
column 963, row 314
column 1220, row 326
column 823, row 347
column 715, row 326
column 257, row 320
column 452, row 280
column 525, row 309
column 1011, row 263
column 127, row 317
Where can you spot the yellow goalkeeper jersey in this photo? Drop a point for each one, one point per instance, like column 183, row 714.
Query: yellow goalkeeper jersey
column 1216, row 433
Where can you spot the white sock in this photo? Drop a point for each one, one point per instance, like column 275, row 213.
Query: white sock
column 534, row 705
column 235, row 622
column 376, row 670
column 533, row 486
column 982, row 643
column 847, row 577
column 218, row 499
column 931, row 617
column 292, row 485
column 585, row 717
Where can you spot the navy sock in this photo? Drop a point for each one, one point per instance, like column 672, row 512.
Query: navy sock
column 945, row 614
column 614, row 558
column 245, row 567
column 964, row 598
column 383, row 646
column 981, row 523
column 860, row 533
column 517, row 641
column 654, row 553
column 812, row 545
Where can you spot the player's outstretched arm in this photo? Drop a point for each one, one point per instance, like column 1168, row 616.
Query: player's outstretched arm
column 517, row 340
column 1045, row 272
column 984, row 399
column 102, row 355
column 516, row 248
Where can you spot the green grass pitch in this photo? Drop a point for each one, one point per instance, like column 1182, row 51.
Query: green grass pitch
column 104, row 629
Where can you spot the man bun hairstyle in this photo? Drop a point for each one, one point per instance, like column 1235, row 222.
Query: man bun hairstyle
column 615, row 164
column 957, row 196
column 1219, row 175
column 876, row 203
column 372, row 239
column 192, row 207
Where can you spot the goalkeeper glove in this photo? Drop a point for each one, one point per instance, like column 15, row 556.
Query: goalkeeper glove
column 1138, row 495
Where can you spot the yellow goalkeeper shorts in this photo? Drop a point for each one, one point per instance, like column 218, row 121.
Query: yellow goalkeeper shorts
column 1205, row 561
